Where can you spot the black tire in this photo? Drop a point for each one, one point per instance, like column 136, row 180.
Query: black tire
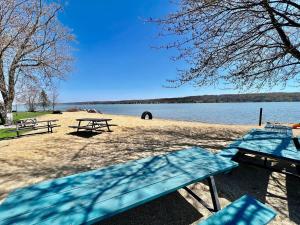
column 145, row 114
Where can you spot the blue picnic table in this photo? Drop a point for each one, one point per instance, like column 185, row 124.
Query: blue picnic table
column 89, row 197
column 280, row 146
column 270, row 144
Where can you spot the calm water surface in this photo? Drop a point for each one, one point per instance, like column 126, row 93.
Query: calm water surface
column 222, row 113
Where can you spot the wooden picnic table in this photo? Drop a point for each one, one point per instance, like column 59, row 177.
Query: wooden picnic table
column 93, row 196
column 93, row 124
column 33, row 124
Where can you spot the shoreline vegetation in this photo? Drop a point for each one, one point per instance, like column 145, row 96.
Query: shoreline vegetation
column 62, row 153
column 224, row 98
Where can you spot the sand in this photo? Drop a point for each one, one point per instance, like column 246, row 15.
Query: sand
column 34, row 158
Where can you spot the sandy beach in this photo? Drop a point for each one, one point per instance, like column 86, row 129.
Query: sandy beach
column 34, row 158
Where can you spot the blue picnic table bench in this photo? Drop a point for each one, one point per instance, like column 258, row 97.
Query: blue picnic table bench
column 280, row 146
column 89, row 197
column 244, row 211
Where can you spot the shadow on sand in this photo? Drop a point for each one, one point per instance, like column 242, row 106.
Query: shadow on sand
column 84, row 134
column 140, row 142
column 172, row 209
column 265, row 186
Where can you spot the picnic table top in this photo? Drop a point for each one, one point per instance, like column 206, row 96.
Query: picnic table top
column 92, row 196
column 38, row 121
column 44, row 121
column 93, row 119
column 269, row 143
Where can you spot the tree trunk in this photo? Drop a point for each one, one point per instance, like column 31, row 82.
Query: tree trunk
column 8, row 116
column 2, row 119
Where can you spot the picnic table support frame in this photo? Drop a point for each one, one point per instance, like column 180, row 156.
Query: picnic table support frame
column 271, row 168
column 78, row 126
column 265, row 161
column 213, row 193
column 17, row 131
column 94, row 124
column 107, row 126
column 298, row 168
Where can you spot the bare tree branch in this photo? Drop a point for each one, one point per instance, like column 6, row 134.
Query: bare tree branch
column 250, row 44
column 34, row 45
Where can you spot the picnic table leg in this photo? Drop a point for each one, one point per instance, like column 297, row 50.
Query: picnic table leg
column 214, row 193
column 17, row 130
column 265, row 162
column 107, row 126
column 93, row 126
column 78, row 126
column 195, row 196
column 298, row 168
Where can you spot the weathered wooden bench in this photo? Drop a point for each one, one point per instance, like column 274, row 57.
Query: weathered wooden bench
column 244, row 211
column 93, row 196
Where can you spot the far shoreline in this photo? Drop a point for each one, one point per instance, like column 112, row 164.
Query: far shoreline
column 214, row 113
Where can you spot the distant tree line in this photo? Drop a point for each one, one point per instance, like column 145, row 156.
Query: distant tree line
column 261, row 97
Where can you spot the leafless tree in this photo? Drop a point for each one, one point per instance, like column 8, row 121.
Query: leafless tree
column 53, row 95
column 29, row 95
column 44, row 100
column 34, row 45
column 250, row 44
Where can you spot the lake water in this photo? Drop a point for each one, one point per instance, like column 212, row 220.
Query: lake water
column 222, row 113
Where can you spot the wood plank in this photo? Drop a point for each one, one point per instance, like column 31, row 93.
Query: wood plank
column 84, row 127
column 94, row 119
column 158, row 179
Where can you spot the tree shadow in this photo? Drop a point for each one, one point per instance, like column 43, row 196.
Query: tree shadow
column 71, row 154
column 244, row 180
column 293, row 198
column 172, row 209
column 26, row 134
column 84, row 134
column 89, row 196
column 265, row 185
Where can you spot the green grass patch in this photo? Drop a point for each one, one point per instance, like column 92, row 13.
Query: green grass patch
column 24, row 115
column 11, row 132
column 7, row 133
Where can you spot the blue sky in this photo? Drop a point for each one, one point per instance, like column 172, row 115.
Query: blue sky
column 114, row 59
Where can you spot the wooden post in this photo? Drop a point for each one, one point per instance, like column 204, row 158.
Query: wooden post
column 260, row 116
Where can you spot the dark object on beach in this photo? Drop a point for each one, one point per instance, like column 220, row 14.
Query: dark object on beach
column 260, row 116
column 92, row 111
column 57, row 112
column 147, row 113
